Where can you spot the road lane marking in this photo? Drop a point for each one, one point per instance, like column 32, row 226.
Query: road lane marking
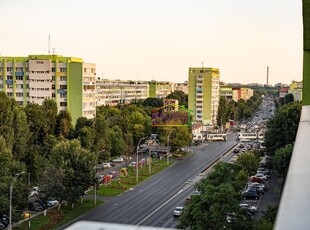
column 156, row 210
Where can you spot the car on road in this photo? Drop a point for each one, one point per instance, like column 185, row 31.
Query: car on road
column 236, row 150
column 178, row 211
column 118, row 160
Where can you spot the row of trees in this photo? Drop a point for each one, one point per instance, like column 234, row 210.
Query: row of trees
column 43, row 142
column 238, row 111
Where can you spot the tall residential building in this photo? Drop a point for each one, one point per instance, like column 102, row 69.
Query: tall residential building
column 204, row 94
column 113, row 92
column 67, row 80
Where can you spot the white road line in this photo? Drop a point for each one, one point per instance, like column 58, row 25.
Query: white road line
column 160, row 207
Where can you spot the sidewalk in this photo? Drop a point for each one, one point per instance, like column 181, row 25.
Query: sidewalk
column 272, row 196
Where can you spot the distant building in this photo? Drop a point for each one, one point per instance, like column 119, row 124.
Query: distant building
column 181, row 87
column 160, row 89
column 114, row 92
column 171, row 105
column 242, row 93
column 283, row 92
column 204, row 94
column 296, row 90
column 227, row 92
column 67, row 80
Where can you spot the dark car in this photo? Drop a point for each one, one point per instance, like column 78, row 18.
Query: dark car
column 36, row 207
column 4, row 220
column 249, row 195
column 236, row 150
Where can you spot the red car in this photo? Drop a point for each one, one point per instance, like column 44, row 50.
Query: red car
column 255, row 179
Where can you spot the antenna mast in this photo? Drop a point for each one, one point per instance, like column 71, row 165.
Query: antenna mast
column 49, row 44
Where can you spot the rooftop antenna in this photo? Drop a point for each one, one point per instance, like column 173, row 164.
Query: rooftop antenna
column 267, row 75
column 49, row 44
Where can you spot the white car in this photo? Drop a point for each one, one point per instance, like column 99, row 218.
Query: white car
column 251, row 208
column 106, row 165
column 261, row 176
column 52, row 202
column 118, row 160
column 178, row 211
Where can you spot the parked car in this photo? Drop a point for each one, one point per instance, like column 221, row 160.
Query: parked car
column 106, row 165
column 249, row 207
column 257, row 185
column 261, row 176
column 118, row 160
column 4, row 220
column 52, row 202
column 250, row 195
column 236, row 150
column 255, row 179
column 36, row 207
column 178, row 211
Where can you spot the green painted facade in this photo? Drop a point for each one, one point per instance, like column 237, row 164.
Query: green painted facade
column 152, row 89
column 306, row 58
column 75, row 90
column 74, row 79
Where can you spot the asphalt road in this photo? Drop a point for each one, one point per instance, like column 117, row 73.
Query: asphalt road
column 151, row 203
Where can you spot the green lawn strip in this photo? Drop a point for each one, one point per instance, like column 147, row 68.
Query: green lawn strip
column 123, row 183
column 66, row 213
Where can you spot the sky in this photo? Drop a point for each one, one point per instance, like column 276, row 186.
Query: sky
column 160, row 39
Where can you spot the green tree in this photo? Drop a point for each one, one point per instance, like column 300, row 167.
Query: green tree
column 249, row 162
column 282, row 129
column 180, row 96
column 50, row 110
column 63, row 124
column 153, row 102
column 118, row 144
column 219, row 198
column 70, row 171
column 282, row 158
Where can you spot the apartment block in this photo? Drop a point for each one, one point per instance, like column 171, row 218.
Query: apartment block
column 204, row 94
column 160, row 89
column 114, row 92
column 242, row 93
column 296, row 90
column 67, row 80
column 227, row 92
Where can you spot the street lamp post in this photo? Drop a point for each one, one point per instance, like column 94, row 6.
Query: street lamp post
column 95, row 186
column 137, row 162
column 11, row 192
column 168, row 146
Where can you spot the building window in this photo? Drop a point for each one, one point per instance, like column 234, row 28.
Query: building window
column 63, row 103
column 19, row 77
column 53, row 95
column 63, row 86
column 9, row 77
column 10, row 94
column 53, row 69
column 63, row 78
column 9, row 69
column 62, row 69
column 19, row 94
column 19, row 69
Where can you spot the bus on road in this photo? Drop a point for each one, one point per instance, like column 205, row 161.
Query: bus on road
column 216, row 137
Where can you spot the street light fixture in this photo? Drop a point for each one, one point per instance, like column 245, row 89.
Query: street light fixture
column 95, row 187
column 137, row 162
column 11, row 192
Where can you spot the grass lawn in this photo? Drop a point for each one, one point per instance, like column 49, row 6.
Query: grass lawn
column 125, row 182
column 56, row 218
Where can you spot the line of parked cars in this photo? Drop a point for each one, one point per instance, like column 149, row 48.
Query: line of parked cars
column 256, row 187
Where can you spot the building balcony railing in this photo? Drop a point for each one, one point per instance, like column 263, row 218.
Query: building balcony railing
column 295, row 202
